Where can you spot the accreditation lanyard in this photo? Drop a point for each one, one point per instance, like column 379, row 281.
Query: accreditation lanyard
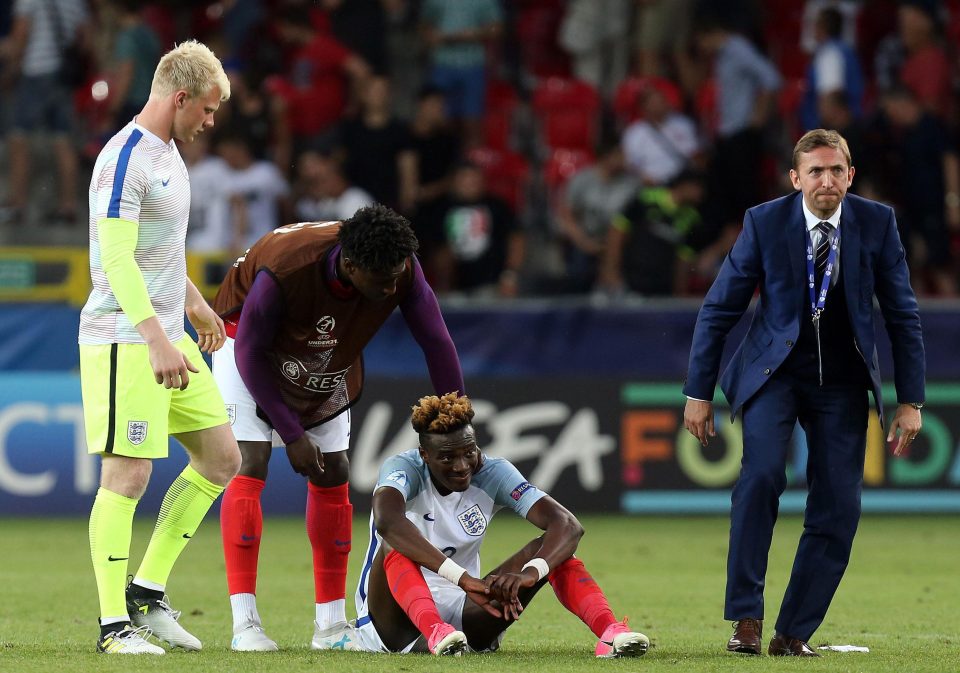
column 817, row 301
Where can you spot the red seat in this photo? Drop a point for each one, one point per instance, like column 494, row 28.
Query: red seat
column 507, row 173
column 502, row 103
column 501, row 94
column 626, row 99
column 569, row 113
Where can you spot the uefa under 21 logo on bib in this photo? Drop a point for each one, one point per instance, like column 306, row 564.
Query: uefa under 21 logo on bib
column 473, row 521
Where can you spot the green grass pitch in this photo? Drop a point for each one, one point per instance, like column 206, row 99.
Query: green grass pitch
column 900, row 598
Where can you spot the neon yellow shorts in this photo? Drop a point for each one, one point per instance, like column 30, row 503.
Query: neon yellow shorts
column 127, row 413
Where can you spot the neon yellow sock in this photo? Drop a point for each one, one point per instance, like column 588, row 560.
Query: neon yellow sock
column 184, row 506
column 111, row 524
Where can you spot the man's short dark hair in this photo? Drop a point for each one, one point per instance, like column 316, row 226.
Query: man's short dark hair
column 832, row 21
column 377, row 239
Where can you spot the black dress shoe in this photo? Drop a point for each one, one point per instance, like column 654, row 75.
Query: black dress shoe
column 747, row 634
column 785, row 646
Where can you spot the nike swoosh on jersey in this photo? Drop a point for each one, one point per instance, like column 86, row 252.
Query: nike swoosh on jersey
column 117, row 558
column 427, row 517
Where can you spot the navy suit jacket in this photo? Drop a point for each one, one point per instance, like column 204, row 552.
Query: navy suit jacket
column 770, row 253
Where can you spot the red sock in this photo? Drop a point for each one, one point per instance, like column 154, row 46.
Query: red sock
column 579, row 593
column 241, row 523
column 330, row 529
column 411, row 592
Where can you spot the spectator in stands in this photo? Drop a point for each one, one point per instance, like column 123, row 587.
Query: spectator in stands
column 652, row 243
column 240, row 25
column 746, row 83
column 318, row 80
column 835, row 66
column 457, row 34
column 662, row 143
column 663, row 29
column 915, row 58
column 360, row 26
column 33, row 61
column 920, row 166
column 833, row 110
column 376, row 149
column 209, row 229
column 323, row 193
column 810, row 29
column 136, row 51
column 471, row 240
column 594, row 33
column 256, row 115
column 435, row 145
column 591, row 199
column 257, row 192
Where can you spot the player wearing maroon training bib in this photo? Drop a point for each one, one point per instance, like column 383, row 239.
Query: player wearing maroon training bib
column 299, row 307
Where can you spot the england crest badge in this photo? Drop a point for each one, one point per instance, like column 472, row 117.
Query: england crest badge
column 473, row 521
column 136, row 432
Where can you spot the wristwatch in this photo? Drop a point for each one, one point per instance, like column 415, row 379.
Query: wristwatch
column 916, row 405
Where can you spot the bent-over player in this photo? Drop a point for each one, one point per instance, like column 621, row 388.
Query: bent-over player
column 299, row 308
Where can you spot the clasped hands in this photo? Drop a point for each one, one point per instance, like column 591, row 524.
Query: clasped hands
column 503, row 588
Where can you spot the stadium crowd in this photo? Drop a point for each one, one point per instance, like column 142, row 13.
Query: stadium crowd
column 539, row 147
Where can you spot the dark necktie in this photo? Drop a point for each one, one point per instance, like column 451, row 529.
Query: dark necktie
column 823, row 251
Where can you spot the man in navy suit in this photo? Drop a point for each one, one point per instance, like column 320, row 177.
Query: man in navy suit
column 818, row 257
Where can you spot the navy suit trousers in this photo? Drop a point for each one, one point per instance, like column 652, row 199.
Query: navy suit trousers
column 834, row 419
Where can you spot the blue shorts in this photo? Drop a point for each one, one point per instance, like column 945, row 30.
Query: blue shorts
column 464, row 88
column 41, row 104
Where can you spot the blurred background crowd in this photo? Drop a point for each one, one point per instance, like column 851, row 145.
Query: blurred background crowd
column 539, row 147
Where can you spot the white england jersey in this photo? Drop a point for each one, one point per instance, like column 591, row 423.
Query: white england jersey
column 141, row 178
column 455, row 523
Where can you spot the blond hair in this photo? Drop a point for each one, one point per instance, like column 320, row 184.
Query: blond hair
column 811, row 140
column 190, row 66
column 442, row 414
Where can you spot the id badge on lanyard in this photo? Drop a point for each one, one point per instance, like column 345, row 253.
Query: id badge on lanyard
column 818, row 300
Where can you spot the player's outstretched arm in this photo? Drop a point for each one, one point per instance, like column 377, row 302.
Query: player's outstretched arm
column 422, row 313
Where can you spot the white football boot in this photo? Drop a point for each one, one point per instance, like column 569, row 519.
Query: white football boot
column 128, row 640
column 338, row 636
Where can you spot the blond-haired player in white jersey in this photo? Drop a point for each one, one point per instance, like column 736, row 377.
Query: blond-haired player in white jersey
column 142, row 376
column 431, row 509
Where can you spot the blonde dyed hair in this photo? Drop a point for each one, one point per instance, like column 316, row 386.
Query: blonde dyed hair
column 190, row 66
column 441, row 415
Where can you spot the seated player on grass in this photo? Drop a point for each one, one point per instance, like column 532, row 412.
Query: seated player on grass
column 431, row 509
